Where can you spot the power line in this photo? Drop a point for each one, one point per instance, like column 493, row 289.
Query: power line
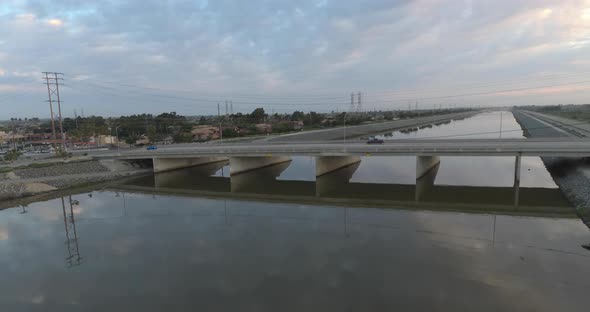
column 381, row 101
column 384, row 93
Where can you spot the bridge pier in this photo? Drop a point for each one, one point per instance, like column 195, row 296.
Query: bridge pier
column 425, row 164
column 167, row 164
column 240, row 165
column 186, row 177
column 335, row 181
column 425, row 183
column 517, row 165
column 426, row 171
column 260, row 180
column 327, row 164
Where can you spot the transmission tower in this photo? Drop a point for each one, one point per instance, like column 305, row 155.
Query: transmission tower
column 359, row 107
column 351, row 109
column 52, row 80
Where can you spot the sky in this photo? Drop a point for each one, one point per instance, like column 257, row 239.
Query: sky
column 127, row 57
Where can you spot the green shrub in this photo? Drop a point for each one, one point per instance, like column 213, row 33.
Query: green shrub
column 12, row 155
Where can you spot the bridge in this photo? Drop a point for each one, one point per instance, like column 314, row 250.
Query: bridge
column 334, row 188
column 331, row 157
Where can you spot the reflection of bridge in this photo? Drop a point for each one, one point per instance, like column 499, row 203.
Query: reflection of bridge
column 335, row 187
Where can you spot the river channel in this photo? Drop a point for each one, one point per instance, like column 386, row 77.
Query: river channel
column 365, row 238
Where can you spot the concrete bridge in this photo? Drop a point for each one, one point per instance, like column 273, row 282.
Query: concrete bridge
column 335, row 187
column 330, row 158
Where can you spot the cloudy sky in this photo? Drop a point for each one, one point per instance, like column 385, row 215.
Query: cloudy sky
column 122, row 57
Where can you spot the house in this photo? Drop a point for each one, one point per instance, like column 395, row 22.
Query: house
column 263, row 128
column 205, row 133
column 297, row 125
column 143, row 140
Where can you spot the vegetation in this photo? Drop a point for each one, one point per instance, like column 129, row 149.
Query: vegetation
column 12, row 155
column 171, row 127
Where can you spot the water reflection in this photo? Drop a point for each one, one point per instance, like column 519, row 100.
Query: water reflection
column 73, row 257
column 235, row 255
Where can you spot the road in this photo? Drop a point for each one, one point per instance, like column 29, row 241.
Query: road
column 568, row 127
column 560, row 147
column 340, row 133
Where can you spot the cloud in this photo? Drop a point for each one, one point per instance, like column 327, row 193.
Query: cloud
column 55, row 22
column 222, row 49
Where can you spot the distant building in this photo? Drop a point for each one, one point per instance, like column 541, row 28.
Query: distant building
column 298, row 125
column 106, row 140
column 205, row 133
column 143, row 140
column 263, row 128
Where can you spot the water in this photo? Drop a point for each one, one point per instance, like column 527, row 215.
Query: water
column 280, row 239
column 121, row 251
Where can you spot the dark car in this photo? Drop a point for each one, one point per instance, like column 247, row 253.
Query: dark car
column 374, row 141
column 152, row 148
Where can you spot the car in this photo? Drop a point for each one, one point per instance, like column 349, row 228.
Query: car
column 151, row 148
column 374, row 141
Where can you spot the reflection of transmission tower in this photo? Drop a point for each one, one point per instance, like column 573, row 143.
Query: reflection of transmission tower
column 73, row 257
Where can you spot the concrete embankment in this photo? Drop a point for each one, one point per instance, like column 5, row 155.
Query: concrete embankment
column 571, row 175
column 365, row 130
column 33, row 180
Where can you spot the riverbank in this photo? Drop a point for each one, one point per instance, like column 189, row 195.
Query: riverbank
column 50, row 177
column 571, row 175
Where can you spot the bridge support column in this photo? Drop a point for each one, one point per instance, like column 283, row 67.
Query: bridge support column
column 517, row 164
column 426, row 171
column 335, row 182
column 259, row 180
column 167, row 164
column 239, row 165
column 327, row 164
column 425, row 164
column 180, row 177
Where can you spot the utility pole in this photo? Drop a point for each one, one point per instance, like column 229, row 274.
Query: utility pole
column 344, row 128
column 61, row 125
column 53, row 89
column 359, row 107
column 13, row 135
column 501, row 117
column 220, row 123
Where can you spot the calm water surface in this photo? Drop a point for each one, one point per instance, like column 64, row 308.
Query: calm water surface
column 279, row 239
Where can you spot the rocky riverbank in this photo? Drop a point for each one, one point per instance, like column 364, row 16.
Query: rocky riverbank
column 571, row 175
column 39, row 179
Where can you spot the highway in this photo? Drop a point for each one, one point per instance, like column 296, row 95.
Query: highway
column 349, row 132
column 557, row 147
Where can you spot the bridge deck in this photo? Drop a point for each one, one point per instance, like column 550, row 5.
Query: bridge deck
column 557, row 147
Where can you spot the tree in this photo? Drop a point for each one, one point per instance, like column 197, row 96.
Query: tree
column 230, row 133
column 258, row 115
column 151, row 133
column 388, row 115
column 183, row 138
column 297, row 116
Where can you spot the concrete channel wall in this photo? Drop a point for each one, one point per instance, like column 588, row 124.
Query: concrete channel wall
column 365, row 130
column 571, row 175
